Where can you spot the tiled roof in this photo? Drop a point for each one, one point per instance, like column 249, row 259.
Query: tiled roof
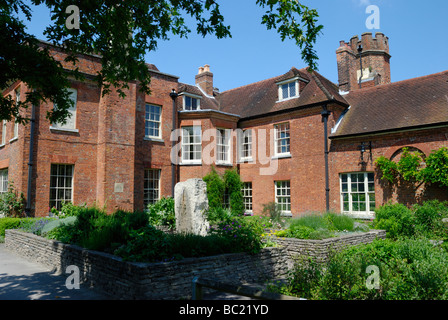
column 261, row 97
column 206, row 101
column 416, row 102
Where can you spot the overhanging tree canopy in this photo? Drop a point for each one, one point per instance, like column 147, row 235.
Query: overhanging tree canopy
column 121, row 32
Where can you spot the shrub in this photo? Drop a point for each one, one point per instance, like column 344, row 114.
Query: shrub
column 215, row 215
column 340, row 222
column 93, row 229
column 245, row 235
column 299, row 232
column 162, row 213
column 33, row 225
column 409, row 269
column 215, row 189
column 218, row 185
column 273, row 211
column 12, row 204
column 8, row 223
column 56, row 223
column 396, row 219
column 428, row 219
column 234, row 185
column 313, row 221
column 145, row 245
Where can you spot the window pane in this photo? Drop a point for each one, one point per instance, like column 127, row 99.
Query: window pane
column 61, row 180
column 361, row 187
column 292, row 89
column 285, row 91
column 151, row 186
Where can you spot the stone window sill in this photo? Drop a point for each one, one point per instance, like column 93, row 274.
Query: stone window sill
column 64, row 129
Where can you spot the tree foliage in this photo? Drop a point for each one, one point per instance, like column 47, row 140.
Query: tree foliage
column 121, row 32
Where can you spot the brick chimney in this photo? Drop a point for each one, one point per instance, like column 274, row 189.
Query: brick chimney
column 204, row 80
column 375, row 62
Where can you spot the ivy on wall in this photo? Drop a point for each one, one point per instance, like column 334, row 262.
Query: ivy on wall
column 229, row 184
column 413, row 167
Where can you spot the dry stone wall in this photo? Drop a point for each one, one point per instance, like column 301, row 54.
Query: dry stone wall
column 173, row 280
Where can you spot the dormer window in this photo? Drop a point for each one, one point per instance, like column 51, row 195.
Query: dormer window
column 288, row 89
column 191, row 102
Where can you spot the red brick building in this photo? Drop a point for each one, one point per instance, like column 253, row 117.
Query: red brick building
column 125, row 153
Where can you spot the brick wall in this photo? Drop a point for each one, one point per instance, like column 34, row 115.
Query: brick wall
column 305, row 168
column 345, row 157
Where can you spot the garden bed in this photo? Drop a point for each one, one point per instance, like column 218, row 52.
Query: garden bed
column 160, row 280
column 172, row 280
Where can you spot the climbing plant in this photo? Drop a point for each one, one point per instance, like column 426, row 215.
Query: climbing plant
column 412, row 167
column 219, row 185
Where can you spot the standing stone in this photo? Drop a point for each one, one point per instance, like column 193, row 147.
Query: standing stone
column 190, row 206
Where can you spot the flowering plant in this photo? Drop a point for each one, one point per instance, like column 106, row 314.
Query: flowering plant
column 246, row 236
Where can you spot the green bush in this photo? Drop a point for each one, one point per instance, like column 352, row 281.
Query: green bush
column 147, row 244
column 56, row 223
column 215, row 215
column 245, row 235
column 396, row 219
column 215, row 189
column 218, row 185
column 162, row 213
column 12, row 204
column 317, row 226
column 234, row 185
column 32, row 225
column 409, row 269
column 299, row 232
column 274, row 212
column 9, row 223
column 94, row 229
column 340, row 222
column 151, row 245
column 428, row 219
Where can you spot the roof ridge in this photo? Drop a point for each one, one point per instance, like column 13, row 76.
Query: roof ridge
column 321, row 86
column 250, row 84
column 401, row 82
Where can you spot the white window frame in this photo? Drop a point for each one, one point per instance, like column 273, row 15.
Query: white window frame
column 223, row 146
column 355, row 194
column 16, row 124
column 188, row 147
column 191, row 96
column 154, row 119
column 247, row 196
column 64, row 183
column 245, row 145
column 151, row 186
column 283, row 196
column 4, row 132
column 278, row 130
column 70, row 125
column 3, row 180
column 289, row 83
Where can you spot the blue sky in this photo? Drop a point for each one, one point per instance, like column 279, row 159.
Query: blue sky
column 416, row 31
